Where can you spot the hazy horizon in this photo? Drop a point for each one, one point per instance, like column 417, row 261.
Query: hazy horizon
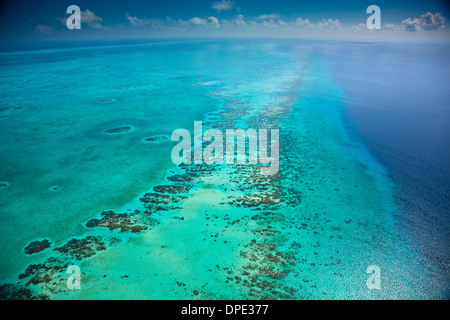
column 327, row 20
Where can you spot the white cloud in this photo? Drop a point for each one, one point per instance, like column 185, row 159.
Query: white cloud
column 268, row 16
column 324, row 24
column 272, row 22
column 431, row 21
column 411, row 25
column 329, row 24
column 223, row 5
column 427, row 22
column 144, row 22
column 240, row 20
column 88, row 17
column 197, row 21
column 135, row 21
column 303, row 23
column 42, row 29
column 271, row 25
column 214, row 21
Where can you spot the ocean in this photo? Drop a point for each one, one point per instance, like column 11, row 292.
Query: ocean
column 87, row 177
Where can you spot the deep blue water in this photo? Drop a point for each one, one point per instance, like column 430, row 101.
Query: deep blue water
column 397, row 97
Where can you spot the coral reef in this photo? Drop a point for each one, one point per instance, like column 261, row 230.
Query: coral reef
column 119, row 130
column 37, row 246
column 105, row 100
column 156, row 138
column 42, row 272
column 4, row 184
column 122, row 221
column 173, row 189
column 9, row 291
column 84, row 247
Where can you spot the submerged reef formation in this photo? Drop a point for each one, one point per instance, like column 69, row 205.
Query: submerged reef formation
column 37, row 246
column 122, row 221
column 119, row 129
column 43, row 280
column 79, row 249
column 4, row 184
column 53, row 188
column 166, row 196
column 156, row 138
column 105, row 100
column 9, row 291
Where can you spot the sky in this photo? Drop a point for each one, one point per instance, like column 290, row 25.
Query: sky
column 132, row 19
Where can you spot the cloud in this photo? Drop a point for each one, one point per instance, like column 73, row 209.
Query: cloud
column 144, row 22
column 197, row 21
column 236, row 22
column 42, row 29
column 324, row 24
column 135, row 21
column 432, row 22
column 223, row 5
column 271, row 21
column 329, row 24
column 302, row 23
column 239, row 20
column 265, row 25
column 411, row 25
column 214, row 21
column 427, row 21
column 268, row 16
column 88, row 17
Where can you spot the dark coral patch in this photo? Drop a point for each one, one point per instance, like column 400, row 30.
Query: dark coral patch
column 160, row 202
column 4, row 184
column 82, row 248
column 53, row 188
column 122, row 221
column 42, row 272
column 10, row 291
column 173, row 189
column 182, row 177
column 156, row 138
column 105, row 100
column 258, row 198
column 37, row 246
column 119, row 130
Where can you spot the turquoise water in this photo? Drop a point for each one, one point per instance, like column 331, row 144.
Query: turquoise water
column 87, row 130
